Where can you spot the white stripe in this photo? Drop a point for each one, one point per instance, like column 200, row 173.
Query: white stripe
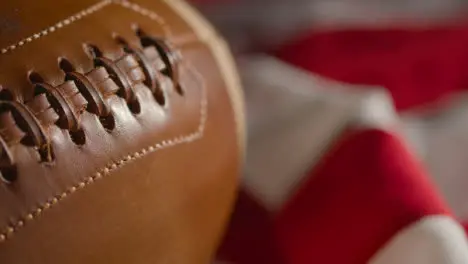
column 293, row 119
column 433, row 240
column 439, row 135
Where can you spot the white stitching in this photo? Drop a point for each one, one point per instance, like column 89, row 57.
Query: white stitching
column 105, row 171
column 146, row 12
column 86, row 12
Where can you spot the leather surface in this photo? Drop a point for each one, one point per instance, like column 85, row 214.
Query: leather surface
column 157, row 187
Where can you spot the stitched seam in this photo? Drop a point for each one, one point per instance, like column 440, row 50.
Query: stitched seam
column 86, row 12
column 69, row 20
column 11, row 229
column 146, row 12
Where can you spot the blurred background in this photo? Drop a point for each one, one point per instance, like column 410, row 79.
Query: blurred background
column 358, row 128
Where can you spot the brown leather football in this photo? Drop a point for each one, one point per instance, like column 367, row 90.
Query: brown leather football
column 121, row 132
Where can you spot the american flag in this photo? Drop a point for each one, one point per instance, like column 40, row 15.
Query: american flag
column 357, row 133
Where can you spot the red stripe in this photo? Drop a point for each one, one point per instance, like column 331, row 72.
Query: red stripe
column 417, row 66
column 368, row 188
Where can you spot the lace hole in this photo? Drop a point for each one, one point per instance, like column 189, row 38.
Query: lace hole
column 92, row 50
column 9, row 174
column 122, row 42
column 28, row 139
column 108, row 122
column 180, row 90
column 78, row 137
column 134, row 107
column 5, row 94
column 46, row 153
column 65, row 65
column 159, row 97
column 35, row 77
column 138, row 31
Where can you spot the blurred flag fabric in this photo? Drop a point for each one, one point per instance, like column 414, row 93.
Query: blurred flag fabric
column 357, row 134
